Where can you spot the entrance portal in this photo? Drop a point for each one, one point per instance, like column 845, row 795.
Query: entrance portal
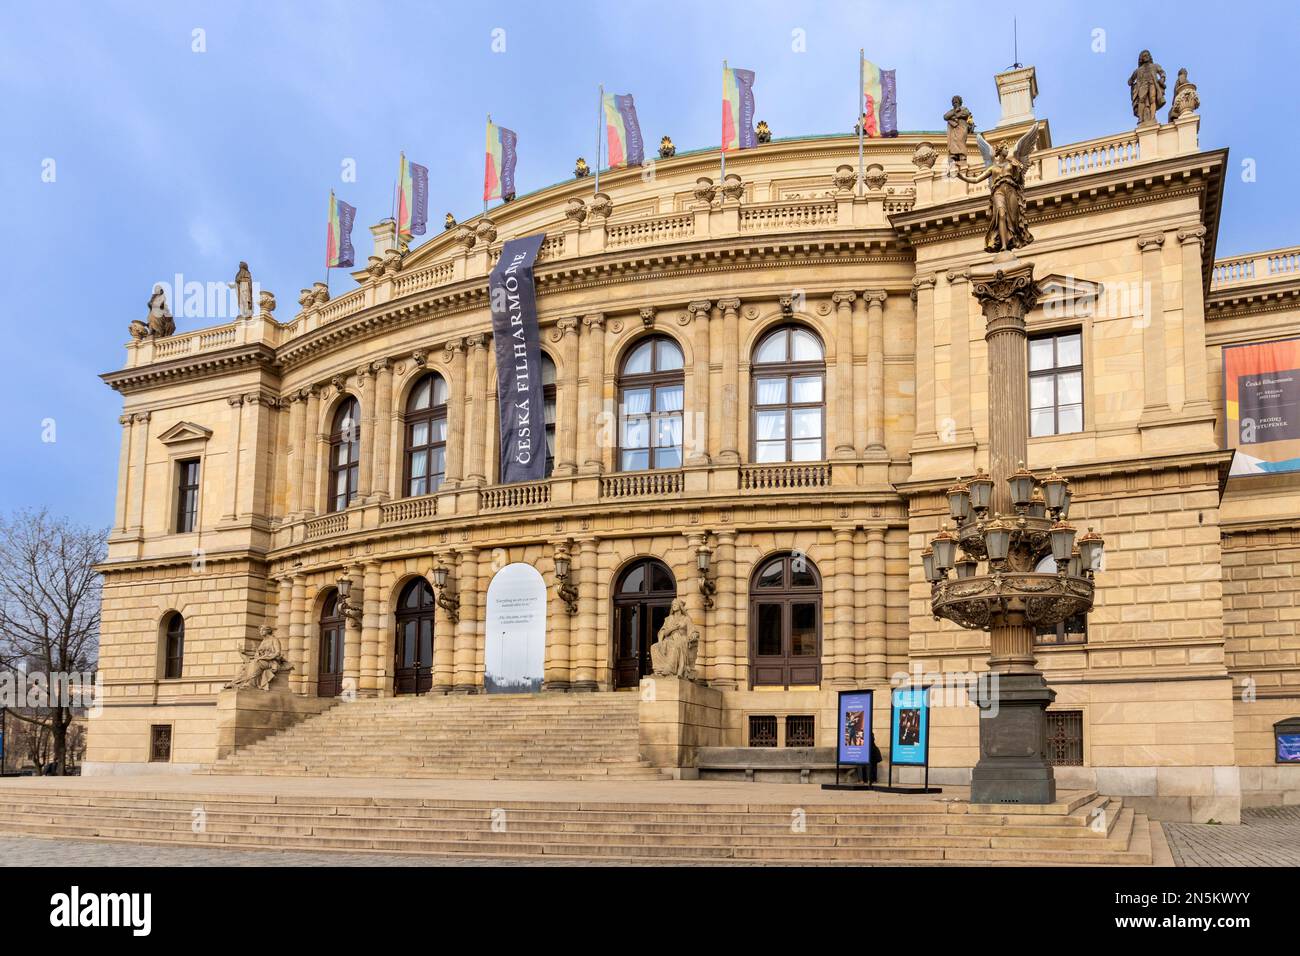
column 413, row 647
column 642, row 599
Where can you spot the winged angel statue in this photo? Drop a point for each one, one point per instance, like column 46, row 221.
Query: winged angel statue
column 1005, row 170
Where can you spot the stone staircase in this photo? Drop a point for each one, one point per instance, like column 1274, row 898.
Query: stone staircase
column 1082, row 828
column 496, row 737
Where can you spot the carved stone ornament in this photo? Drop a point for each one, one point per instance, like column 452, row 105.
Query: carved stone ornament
column 600, row 206
column 374, row 267
column 158, row 322
column 733, row 187
column 449, row 222
column 673, row 653
column 576, row 211
column 705, row 190
column 306, row 297
column 763, row 132
column 1186, row 99
column 648, row 317
column 420, row 357
column 320, row 293
column 465, row 237
column 875, row 177
column 266, row 304
column 666, row 148
column 392, row 262
column 925, row 156
column 580, row 169
column 340, row 383
column 261, row 665
column 486, row 230
column 1043, row 600
column 1006, row 293
column 844, row 177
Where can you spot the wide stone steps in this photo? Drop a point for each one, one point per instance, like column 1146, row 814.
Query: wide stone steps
column 795, row 833
column 516, row 737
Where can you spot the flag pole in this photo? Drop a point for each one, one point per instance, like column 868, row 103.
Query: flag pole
column 862, row 76
column 328, row 226
column 485, row 202
column 600, row 111
column 722, row 174
column 397, row 184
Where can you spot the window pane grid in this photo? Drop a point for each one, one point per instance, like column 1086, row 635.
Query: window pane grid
column 1056, row 384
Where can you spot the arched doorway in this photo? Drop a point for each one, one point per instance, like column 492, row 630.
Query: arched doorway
column 413, row 647
column 785, row 623
column 329, row 660
column 644, row 593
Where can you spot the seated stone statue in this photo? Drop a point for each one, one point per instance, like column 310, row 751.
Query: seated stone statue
column 261, row 665
column 673, row 653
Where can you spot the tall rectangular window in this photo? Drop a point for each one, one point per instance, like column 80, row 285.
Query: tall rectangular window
column 1056, row 384
column 187, row 495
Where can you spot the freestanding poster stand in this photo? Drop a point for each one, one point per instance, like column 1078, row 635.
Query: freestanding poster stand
column 909, row 735
column 853, row 737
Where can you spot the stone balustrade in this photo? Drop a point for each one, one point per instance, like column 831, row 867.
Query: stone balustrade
column 642, row 484
column 785, row 476
column 525, row 495
column 326, row 525
column 1257, row 267
column 408, row 509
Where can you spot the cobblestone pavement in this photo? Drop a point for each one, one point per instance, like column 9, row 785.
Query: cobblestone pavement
column 1267, row 836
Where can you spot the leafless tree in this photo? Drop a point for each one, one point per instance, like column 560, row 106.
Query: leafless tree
column 49, row 611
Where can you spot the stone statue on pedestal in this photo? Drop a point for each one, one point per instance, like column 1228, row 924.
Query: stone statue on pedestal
column 158, row 322
column 1005, row 169
column 960, row 125
column 261, row 665
column 1147, row 88
column 673, row 653
column 243, row 286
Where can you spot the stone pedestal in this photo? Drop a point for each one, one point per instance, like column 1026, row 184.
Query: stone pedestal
column 246, row 715
column 676, row 718
column 1013, row 765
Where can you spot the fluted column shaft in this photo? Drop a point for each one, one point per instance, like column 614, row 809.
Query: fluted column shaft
column 310, row 490
column 875, row 373
column 566, row 425
column 696, row 424
column 476, row 403
column 842, row 419
column 468, row 629
column 724, row 615
column 593, row 402
column 729, row 454
column 696, row 611
column 301, row 678
column 455, row 413
column 842, row 659
column 383, row 430
column 877, row 607
column 585, row 658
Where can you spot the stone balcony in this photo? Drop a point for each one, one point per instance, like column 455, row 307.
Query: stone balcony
column 1274, row 265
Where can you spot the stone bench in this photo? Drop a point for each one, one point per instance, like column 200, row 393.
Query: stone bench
column 772, row 765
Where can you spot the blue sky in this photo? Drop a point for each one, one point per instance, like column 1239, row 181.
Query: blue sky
column 168, row 160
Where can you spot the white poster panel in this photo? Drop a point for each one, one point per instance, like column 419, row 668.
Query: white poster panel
column 515, row 651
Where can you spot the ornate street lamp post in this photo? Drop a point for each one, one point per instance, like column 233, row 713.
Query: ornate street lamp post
column 1006, row 523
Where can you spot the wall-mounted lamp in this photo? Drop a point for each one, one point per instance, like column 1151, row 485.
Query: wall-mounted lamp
column 708, row 586
column 448, row 602
column 351, row 612
column 564, row 586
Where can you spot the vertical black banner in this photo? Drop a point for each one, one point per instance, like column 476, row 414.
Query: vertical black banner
column 519, row 361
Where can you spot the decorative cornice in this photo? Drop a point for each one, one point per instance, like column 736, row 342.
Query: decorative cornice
column 207, row 365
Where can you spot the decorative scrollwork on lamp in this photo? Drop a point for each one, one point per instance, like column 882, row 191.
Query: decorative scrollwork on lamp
column 708, row 584
column 563, row 579
column 351, row 611
column 447, row 601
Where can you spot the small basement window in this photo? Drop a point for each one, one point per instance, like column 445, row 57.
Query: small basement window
column 762, row 730
column 160, row 743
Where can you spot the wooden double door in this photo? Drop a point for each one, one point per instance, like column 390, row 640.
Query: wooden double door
column 413, row 645
column 643, row 598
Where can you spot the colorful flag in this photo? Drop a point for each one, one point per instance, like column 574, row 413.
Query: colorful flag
column 412, row 198
column 879, row 101
column 624, row 146
column 738, row 110
column 499, row 171
column 338, row 234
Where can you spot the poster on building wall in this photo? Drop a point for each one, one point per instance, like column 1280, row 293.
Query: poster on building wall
column 853, row 741
column 1262, row 406
column 909, row 731
column 521, row 407
column 514, row 651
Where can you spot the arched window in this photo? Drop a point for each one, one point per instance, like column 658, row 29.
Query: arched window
column 329, row 665
column 425, row 423
column 413, row 648
column 651, row 392
column 642, row 598
column 785, row 623
column 345, row 454
column 789, row 417
column 548, row 395
column 174, row 647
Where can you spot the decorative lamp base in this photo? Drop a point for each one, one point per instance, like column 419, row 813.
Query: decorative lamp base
column 1013, row 765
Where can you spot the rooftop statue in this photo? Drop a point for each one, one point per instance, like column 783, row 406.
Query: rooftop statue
column 158, row 322
column 1185, row 98
column 1005, row 169
column 243, row 286
column 960, row 125
column 1147, row 88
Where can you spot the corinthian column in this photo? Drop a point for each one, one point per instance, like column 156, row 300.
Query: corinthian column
column 566, row 426
column 843, row 419
column 311, row 439
column 696, row 417
column 875, row 373
column 455, row 413
column 594, row 402
column 366, row 394
column 476, row 404
column 842, row 659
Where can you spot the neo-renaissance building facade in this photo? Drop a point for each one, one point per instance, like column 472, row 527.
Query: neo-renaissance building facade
column 758, row 393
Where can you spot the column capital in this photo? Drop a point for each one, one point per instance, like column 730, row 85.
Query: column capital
column 454, row 347
column 729, row 305
column 234, row 401
column 843, row 298
column 844, row 532
column 363, row 373
column 594, row 320
column 381, row 365
column 874, row 296
column 1151, row 242
column 924, row 281
column 1191, row 234
column 125, row 420
column 726, row 535
column 259, row 398
column 476, row 342
column 567, row 326
column 698, row 308
column 957, row 275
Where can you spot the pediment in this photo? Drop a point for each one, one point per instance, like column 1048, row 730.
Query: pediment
column 183, row 432
column 1061, row 293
